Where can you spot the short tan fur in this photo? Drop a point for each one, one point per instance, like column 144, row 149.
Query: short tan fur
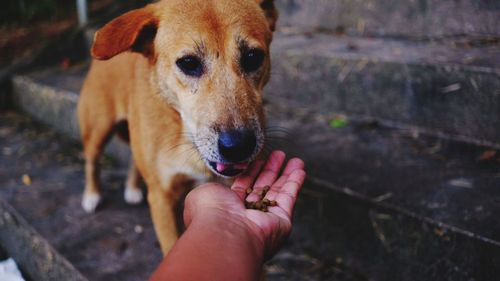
column 182, row 126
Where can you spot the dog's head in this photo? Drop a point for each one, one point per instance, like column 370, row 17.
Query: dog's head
column 211, row 62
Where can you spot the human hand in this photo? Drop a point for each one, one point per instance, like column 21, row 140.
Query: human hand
column 214, row 201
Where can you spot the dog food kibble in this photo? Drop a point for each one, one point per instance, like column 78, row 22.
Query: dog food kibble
column 263, row 204
column 261, row 193
column 258, row 205
column 249, row 205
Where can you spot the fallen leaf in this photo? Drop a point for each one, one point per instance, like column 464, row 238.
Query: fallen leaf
column 26, row 179
column 439, row 232
column 487, row 155
column 339, row 122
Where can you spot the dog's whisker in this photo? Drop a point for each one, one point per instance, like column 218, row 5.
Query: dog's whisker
column 277, row 127
column 280, row 135
column 277, row 142
column 179, row 145
column 188, row 154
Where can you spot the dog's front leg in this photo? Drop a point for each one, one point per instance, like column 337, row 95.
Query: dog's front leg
column 163, row 203
column 133, row 193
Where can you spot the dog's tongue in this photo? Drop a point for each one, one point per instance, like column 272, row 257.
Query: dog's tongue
column 221, row 167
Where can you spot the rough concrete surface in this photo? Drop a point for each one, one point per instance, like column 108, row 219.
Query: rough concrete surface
column 37, row 257
column 443, row 88
column 51, row 96
column 349, row 228
column 411, row 18
column 446, row 181
column 104, row 246
column 436, row 87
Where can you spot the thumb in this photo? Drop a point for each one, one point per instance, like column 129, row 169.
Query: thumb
column 200, row 198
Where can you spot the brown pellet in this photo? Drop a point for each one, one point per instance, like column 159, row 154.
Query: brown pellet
column 250, row 205
column 248, row 190
column 263, row 204
column 261, row 193
column 258, row 204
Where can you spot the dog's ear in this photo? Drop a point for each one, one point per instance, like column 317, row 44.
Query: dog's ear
column 270, row 12
column 134, row 31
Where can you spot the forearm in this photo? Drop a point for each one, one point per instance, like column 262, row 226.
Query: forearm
column 208, row 252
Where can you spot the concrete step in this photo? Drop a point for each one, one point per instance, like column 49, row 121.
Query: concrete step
column 407, row 18
column 50, row 95
column 37, row 258
column 392, row 196
column 450, row 88
column 444, row 88
column 446, row 182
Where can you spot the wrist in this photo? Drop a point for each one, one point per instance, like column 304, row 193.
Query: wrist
column 218, row 248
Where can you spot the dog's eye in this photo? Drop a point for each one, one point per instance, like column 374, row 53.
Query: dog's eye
column 252, row 60
column 190, row 65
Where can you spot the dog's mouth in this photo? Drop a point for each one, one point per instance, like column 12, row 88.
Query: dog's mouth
column 228, row 170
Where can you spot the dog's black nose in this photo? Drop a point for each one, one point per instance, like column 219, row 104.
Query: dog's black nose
column 237, row 145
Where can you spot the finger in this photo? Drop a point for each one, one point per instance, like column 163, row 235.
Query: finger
column 269, row 174
column 271, row 169
column 292, row 165
column 287, row 195
column 245, row 180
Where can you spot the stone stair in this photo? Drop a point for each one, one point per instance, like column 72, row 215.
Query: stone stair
column 441, row 88
column 393, row 18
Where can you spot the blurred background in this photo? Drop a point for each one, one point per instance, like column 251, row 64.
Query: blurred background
column 393, row 104
column 28, row 26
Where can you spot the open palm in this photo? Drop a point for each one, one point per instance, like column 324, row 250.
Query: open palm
column 270, row 227
column 275, row 224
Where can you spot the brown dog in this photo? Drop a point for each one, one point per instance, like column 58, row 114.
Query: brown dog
column 187, row 76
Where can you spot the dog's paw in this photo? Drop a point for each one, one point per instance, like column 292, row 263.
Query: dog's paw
column 90, row 202
column 133, row 195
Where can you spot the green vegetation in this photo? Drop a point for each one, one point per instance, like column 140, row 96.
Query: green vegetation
column 339, row 122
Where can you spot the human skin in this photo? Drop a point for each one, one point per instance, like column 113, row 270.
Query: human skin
column 224, row 240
